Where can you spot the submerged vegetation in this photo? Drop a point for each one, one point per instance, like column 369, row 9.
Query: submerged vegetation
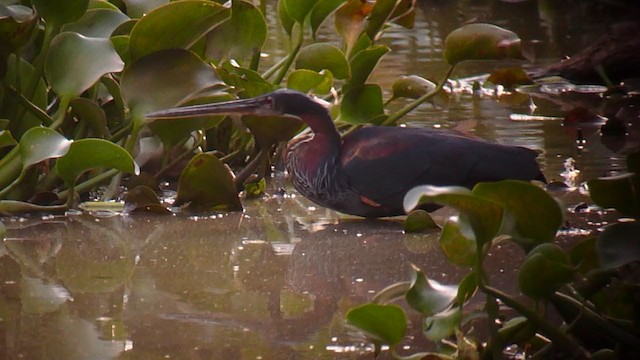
column 78, row 76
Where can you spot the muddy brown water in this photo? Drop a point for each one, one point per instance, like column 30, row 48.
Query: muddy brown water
column 275, row 281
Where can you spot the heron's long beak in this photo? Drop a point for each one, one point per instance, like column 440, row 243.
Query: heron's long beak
column 260, row 106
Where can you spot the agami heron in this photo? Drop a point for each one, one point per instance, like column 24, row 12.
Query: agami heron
column 369, row 171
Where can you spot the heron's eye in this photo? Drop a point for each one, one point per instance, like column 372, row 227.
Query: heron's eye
column 270, row 102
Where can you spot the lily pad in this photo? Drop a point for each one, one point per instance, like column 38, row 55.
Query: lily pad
column 481, row 42
column 428, row 296
column 385, row 324
column 321, row 56
column 86, row 154
column 207, row 183
column 76, row 62
column 177, row 25
column 60, row 12
column 362, row 104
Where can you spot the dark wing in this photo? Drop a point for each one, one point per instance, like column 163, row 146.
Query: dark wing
column 383, row 163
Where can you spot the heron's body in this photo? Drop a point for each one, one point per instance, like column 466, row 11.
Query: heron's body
column 368, row 172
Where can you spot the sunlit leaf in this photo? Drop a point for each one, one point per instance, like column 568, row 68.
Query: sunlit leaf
column 538, row 216
column 379, row 14
column 351, row 20
column 177, row 25
column 419, row 220
column 621, row 192
column 60, row 12
column 383, row 323
column 321, row 56
column 39, row 144
column 484, row 215
column 363, row 63
column 428, row 296
column 241, row 35
column 306, row 81
column 545, row 269
column 362, row 104
column 207, row 183
column 481, row 42
column 442, row 324
column 97, row 23
column 412, row 87
column 458, row 242
column 298, row 9
column 76, row 62
column 321, row 11
column 86, row 154
column 164, row 80
column 285, row 18
column 618, row 245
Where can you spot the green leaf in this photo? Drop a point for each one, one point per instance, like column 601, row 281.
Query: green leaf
column 379, row 14
column 248, row 81
column 481, row 42
column 39, row 144
column 583, row 255
column 412, row 87
column 16, row 26
column 404, row 14
column 86, row 154
column 484, row 215
column 306, row 81
column 620, row 192
column 428, row 296
column 6, row 139
column 144, row 199
column 285, row 18
column 76, row 62
column 321, row 56
column 383, row 323
column 298, row 9
column 538, row 216
column 458, row 242
column 91, row 114
column 139, row 8
column 544, row 270
column 362, row 104
column 60, row 12
column 442, row 324
column 207, row 183
column 97, row 23
column 270, row 130
column 467, row 288
column 363, row 63
column 240, row 36
column 164, row 80
column 618, row 245
column 177, row 25
column 255, row 189
column 321, row 11
column 419, row 220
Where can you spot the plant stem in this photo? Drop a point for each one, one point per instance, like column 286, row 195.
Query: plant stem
column 292, row 55
column 33, row 108
column 402, row 112
column 243, row 175
column 272, row 70
column 87, row 185
column 61, row 113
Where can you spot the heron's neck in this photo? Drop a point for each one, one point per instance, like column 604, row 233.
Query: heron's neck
column 323, row 128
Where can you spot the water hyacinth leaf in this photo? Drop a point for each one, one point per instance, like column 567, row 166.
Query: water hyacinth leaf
column 97, row 23
column 458, row 242
column 143, row 199
column 483, row 215
column 92, row 114
column 404, row 14
column 39, row 144
column 363, row 63
column 385, row 324
column 285, row 18
column 620, row 192
column 467, row 288
column 240, row 36
column 174, row 76
column 382, row 10
column 91, row 153
column 177, row 25
column 509, row 77
column 419, row 220
column 538, row 216
column 6, row 139
column 248, row 81
column 321, row 56
column 255, row 189
column 362, row 104
column 102, row 4
column 517, row 330
column 412, row 87
column 545, row 269
column 139, row 8
column 60, row 12
column 392, row 293
column 207, row 183
column 351, row 19
column 321, row 11
column 443, row 324
column 16, row 26
column 306, row 81
column 270, row 130
column 298, row 9
column 481, row 42
column 363, row 43
column 583, row 255
column 76, row 62
column 428, row 296
column 618, row 245
column 8, row 109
